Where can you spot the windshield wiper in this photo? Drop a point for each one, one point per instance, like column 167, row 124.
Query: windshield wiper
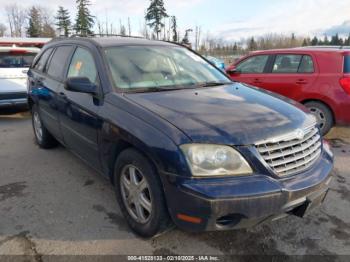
column 213, row 83
column 153, row 89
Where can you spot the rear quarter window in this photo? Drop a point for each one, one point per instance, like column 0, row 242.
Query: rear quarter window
column 41, row 62
column 347, row 64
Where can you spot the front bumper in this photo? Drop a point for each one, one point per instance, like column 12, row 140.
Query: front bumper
column 19, row 99
column 241, row 202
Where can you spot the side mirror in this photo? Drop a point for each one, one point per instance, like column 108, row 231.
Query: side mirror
column 233, row 71
column 81, row 85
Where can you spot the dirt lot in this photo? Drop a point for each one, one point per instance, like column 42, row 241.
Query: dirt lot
column 52, row 203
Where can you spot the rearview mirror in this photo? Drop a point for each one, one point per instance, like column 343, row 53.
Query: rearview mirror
column 81, row 85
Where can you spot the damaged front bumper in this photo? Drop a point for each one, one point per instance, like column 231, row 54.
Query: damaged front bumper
column 241, row 202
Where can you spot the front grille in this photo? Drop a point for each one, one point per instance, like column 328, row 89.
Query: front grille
column 6, row 96
column 291, row 155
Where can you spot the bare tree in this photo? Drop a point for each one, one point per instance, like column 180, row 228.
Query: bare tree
column 47, row 22
column 129, row 26
column 3, row 29
column 16, row 18
column 197, row 37
column 100, row 28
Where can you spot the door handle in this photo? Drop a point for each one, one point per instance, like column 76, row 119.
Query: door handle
column 257, row 81
column 301, row 82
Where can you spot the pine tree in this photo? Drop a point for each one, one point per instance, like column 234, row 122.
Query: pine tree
column 235, row 48
column 252, row 44
column 34, row 28
column 156, row 12
column 293, row 40
column 122, row 30
column 335, row 40
column 174, row 28
column 314, row 41
column 84, row 20
column 326, row 41
column 186, row 40
column 63, row 21
column 348, row 41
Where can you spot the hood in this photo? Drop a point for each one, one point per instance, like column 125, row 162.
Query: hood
column 234, row 114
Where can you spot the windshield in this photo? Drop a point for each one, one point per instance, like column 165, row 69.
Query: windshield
column 347, row 64
column 8, row 60
column 161, row 68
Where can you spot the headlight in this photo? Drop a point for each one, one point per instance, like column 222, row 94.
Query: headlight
column 215, row 160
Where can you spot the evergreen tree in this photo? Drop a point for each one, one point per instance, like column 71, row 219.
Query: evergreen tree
column 252, row 44
column 314, row 41
column 63, row 21
column 34, row 27
column 122, row 30
column 174, row 28
column 304, row 42
column 348, row 41
column 186, row 40
column 326, row 41
column 293, row 40
column 84, row 20
column 155, row 15
column 335, row 40
column 235, row 48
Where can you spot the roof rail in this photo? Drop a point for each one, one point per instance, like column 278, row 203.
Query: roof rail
column 106, row 35
column 327, row 46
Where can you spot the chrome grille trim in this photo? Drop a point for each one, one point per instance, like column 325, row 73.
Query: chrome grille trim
column 289, row 155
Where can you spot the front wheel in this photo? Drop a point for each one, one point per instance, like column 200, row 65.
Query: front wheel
column 140, row 195
column 42, row 136
column 323, row 115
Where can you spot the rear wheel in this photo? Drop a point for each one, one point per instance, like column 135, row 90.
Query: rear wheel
column 323, row 114
column 42, row 136
column 140, row 195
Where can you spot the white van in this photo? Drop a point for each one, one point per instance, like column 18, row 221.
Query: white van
column 14, row 64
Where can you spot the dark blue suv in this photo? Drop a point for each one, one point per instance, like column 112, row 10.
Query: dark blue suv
column 178, row 140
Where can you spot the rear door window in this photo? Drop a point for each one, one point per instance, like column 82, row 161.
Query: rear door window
column 16, row 60
column 58, row 62
column 253, row 65
column 287, row 64
column 347, row 64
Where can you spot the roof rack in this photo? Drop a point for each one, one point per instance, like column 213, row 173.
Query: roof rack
column 106, row 35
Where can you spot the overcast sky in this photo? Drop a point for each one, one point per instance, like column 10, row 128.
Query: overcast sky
column 230, row 19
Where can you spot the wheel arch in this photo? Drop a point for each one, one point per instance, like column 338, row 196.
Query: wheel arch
column 118, row 148
column 324, row 103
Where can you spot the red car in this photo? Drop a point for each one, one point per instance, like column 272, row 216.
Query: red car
column 319, row 78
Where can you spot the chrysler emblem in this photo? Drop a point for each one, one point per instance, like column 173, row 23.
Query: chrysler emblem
column 300, row 134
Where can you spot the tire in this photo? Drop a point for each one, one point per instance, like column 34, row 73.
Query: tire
column 42, row 136
column 323, row 114
column 155, row 218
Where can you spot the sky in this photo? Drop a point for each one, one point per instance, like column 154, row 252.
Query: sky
column 230, row 20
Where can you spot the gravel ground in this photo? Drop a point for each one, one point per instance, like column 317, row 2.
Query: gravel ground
column 51, row 203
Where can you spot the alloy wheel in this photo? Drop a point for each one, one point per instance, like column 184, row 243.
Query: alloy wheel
column 136, row 194
column 38, row 129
